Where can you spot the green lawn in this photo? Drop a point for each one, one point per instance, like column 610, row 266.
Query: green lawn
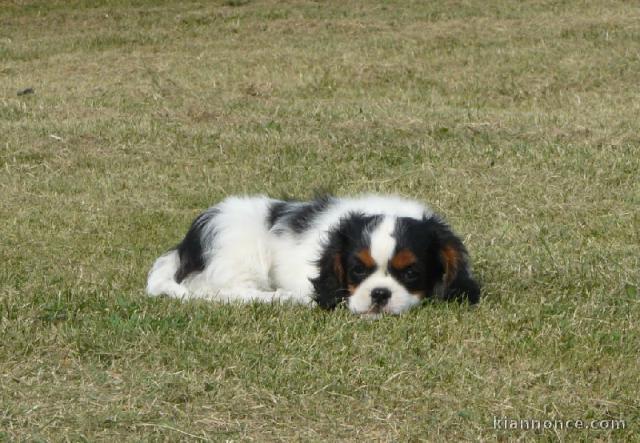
column 517, row 120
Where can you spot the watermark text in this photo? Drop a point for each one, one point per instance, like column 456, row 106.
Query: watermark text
column 506, row 423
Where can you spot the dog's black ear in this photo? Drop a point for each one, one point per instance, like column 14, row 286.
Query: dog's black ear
column 457, row 282
column 331, row 286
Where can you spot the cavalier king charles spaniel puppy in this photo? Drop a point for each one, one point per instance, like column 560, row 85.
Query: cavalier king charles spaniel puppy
column 373, row 254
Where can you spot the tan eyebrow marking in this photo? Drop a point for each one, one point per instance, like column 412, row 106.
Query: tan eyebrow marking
column 403, row 259
column 365, row 257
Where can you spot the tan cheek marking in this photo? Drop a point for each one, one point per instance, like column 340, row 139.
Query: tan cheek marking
column 451, row 258
column 365, row 257
column 352, row 289
column 420, row 294
column 403, row 259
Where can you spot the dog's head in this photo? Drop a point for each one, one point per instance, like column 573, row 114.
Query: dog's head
column 385, row 264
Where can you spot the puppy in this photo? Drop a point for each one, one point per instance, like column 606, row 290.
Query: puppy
column 374, row 254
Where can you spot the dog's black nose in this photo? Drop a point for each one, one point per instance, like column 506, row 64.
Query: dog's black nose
column 380, row 295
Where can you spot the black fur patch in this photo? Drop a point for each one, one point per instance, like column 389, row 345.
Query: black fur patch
column 304, row 214
column 296, row 216
column 190, row 250
column 462, row 286
column 276, row 211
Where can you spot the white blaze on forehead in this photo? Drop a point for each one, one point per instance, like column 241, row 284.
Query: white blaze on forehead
column 383, row 243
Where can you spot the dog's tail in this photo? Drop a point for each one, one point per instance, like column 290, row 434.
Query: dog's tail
column 161, row 279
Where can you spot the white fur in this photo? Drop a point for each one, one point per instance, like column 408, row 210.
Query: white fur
column 161, row 281
column 401, row 300
column 246, row 261
column 383, row 242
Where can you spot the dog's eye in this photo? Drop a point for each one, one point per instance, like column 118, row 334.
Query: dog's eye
column 410, row 274
column 359, row 270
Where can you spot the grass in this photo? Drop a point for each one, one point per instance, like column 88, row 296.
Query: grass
column 517, row 120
